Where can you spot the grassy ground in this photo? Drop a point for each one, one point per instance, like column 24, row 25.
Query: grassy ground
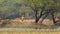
column 29, row 32
column 26, row 24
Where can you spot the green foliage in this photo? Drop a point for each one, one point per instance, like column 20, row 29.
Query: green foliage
column 40, row 3
column 8, row 7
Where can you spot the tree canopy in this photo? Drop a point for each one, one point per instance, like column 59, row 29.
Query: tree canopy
column 8, row 7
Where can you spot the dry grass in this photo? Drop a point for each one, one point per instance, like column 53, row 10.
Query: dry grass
column 28, row 24
column 29, row 32
column 47, row 22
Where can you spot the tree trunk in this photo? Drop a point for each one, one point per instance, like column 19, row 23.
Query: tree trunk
column 40, row 15
column 53, row 18
column 36, row 12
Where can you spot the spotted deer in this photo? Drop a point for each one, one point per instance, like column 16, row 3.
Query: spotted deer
column 20, row 19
